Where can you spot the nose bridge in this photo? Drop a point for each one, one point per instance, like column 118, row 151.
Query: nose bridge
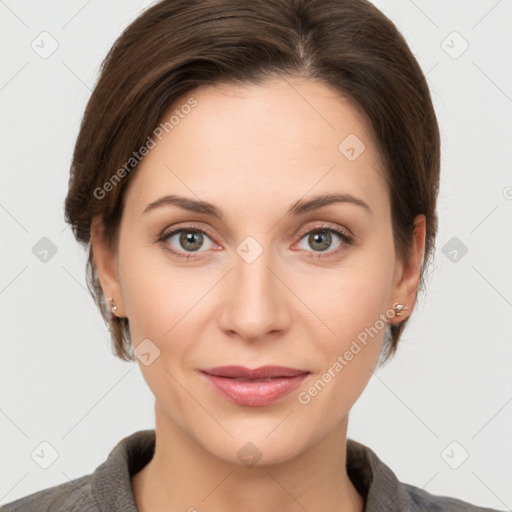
column 252, row 273
column 254, row 304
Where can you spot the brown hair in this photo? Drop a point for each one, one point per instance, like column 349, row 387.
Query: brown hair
column 178, row 45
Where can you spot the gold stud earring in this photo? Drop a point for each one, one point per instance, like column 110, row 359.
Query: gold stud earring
column 112, row 304
column 399, row 308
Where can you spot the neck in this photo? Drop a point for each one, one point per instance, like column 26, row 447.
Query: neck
column 182, row 475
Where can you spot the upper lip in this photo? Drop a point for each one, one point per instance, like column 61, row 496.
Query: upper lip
column 263, row 372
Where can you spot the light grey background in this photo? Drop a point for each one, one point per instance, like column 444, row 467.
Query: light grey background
column 450, row 380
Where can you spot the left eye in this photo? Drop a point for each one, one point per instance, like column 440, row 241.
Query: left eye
column 321, row 239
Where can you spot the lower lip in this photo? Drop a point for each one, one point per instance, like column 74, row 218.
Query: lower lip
column 255, row 393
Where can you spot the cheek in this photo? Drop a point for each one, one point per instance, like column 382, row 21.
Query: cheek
column 349, row 358
column 155, row 295
column 355, row 306
column 165, row 305
column 159, row 303
column 350, row 301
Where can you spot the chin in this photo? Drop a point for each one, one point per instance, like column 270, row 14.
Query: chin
column 258, row 444
column 256, row 453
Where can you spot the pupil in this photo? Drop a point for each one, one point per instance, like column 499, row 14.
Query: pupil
column 192, row 238
column 317, row 237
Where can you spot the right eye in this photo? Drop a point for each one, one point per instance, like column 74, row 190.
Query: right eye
column 186, row 242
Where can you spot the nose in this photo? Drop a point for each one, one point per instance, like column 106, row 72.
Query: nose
column 255, row 302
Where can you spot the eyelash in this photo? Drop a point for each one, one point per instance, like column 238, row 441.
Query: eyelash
column 346, row 240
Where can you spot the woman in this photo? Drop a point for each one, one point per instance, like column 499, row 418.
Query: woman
column 257, row 184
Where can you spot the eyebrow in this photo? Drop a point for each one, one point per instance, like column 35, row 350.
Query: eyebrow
column 298, row 208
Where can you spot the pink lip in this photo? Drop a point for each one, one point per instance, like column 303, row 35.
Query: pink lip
column 257, row 387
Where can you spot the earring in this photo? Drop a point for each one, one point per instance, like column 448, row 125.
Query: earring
column 399, row 308
column 113, row 305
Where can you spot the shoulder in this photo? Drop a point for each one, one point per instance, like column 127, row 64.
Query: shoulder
column 424, row 501
column 107, row 488
column 384, row 492
column 72, row 496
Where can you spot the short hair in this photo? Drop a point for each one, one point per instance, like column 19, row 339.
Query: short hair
column 176, row 46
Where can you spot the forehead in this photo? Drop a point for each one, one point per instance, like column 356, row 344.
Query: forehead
column 282, row 138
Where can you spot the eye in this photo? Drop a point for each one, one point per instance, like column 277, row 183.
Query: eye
column 188, row 240
column 321, row 238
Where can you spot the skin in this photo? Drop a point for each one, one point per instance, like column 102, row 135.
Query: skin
column 253, row 151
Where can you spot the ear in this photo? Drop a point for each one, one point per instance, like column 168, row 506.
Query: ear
column 407, row 273
column 105, row 260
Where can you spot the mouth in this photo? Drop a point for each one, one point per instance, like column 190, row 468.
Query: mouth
column 254, row 387
column 261, row 373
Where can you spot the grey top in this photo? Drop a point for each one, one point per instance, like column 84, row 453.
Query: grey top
column 108, row 488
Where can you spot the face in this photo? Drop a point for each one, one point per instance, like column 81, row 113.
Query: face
column 266, row 282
